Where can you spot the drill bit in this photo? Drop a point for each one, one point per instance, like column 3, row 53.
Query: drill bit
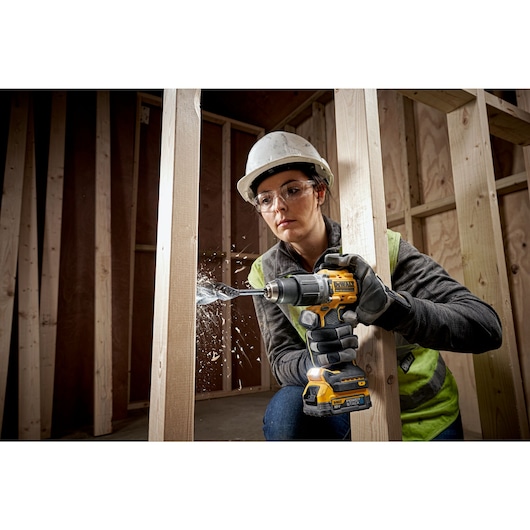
column 209, row 292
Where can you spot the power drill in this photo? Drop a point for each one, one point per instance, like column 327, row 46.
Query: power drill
column 329, row 293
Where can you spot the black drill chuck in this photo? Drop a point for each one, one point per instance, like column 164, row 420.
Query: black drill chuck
column 300, row 290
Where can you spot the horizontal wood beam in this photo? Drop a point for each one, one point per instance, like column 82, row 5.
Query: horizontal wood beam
column 235, row 124
column 503, row 186
column 507, row 121
column 443, row 100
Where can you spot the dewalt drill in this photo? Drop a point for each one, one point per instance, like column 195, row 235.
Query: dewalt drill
column 329, row 293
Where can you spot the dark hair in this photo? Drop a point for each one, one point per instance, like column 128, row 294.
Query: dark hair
column 307, row 169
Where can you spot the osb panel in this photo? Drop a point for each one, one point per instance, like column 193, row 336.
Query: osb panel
column 402, row 229
column 391, row 147
column 515, row 218
column 434, row 162
column 442, row 243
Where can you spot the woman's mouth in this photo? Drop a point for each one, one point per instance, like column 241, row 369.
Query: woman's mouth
column 284, row 223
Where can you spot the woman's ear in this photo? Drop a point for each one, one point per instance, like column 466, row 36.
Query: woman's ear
column 321, row 195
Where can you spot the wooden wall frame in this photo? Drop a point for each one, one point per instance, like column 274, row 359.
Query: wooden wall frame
column 473, row 115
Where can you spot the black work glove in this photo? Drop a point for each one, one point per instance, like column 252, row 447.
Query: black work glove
column 330, row 345
column 374, row 296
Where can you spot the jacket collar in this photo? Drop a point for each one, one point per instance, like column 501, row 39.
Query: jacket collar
column 286, row 261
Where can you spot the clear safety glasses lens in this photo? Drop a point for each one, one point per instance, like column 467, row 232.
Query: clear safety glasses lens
column 289, row 192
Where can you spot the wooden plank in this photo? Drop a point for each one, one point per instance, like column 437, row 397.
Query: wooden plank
column 507, row 121
column 171, row 412
column 364, row 232
column 498, row 377
column 103, row 273
column 51, row 253
column 10, row 228
column 28, row 302
column 444, row 100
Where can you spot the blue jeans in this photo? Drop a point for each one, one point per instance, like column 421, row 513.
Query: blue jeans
column 284, row 420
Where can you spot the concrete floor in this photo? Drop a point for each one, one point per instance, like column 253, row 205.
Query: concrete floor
column 234, row 418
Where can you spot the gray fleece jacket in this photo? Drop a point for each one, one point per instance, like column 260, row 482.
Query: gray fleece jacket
column 443, row 314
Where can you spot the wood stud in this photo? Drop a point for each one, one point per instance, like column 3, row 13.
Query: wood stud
column 363, row 229
column 103, row 273
column 10, row 228
column 29, row 424
column 499, row 385
column 171, row 412
column 51, row 258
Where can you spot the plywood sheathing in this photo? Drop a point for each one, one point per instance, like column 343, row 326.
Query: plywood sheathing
column 171, row 413
column 363, row 230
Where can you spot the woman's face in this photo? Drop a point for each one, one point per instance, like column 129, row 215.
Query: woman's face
column 291, row 221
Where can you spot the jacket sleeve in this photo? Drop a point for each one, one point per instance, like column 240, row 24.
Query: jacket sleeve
column 443, row 314
column 287, row 354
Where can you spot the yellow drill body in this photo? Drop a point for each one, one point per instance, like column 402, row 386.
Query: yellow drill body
column 328, row 293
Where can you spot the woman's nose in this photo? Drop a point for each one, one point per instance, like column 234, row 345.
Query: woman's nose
column 279, row 203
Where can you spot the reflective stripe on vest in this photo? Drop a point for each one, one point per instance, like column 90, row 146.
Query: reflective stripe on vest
column 415, row 395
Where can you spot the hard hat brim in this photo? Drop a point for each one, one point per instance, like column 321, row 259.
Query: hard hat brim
column 244, row 184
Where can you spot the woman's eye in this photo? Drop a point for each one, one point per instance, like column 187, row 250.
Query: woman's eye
column 265, row 200
column 293, row 190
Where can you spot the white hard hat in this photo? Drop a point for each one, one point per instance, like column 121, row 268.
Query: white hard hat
column 277, row 149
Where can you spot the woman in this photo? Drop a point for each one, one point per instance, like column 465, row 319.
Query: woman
column 287, row 181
